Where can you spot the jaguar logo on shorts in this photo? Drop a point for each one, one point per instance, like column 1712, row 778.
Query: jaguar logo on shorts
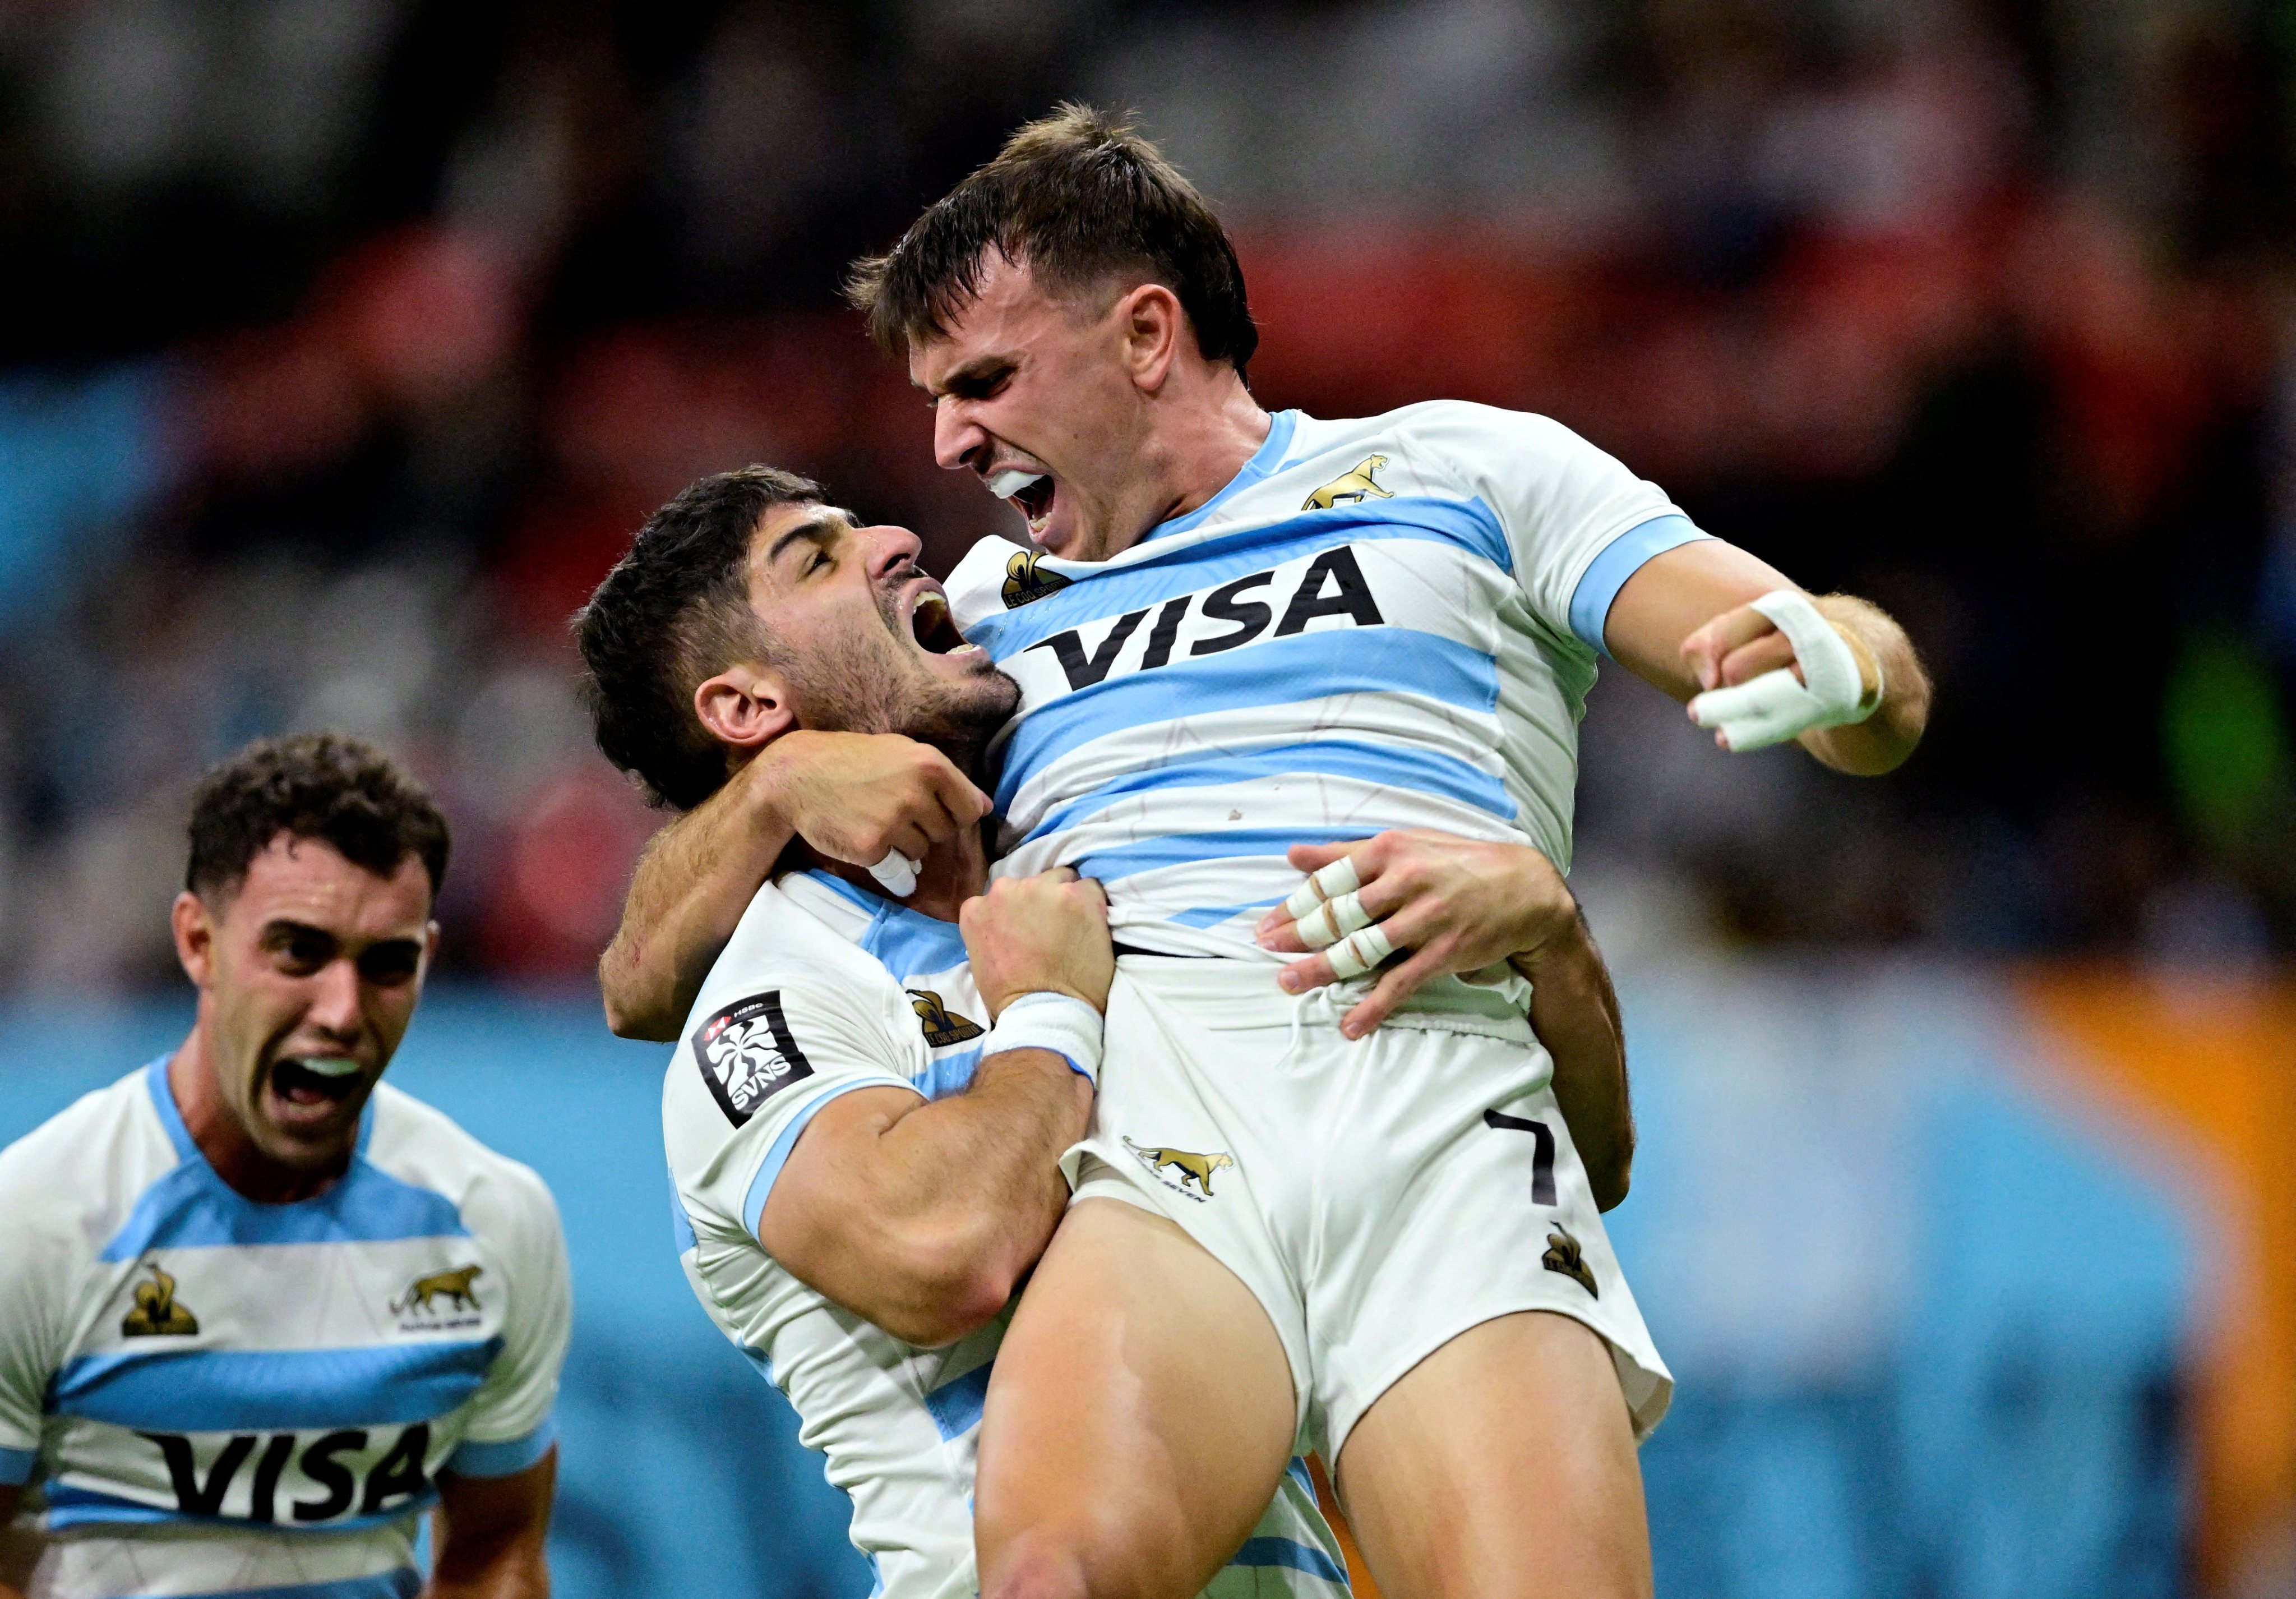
column 747, row 1056
column 1192, row 1166
column 1562, row 1255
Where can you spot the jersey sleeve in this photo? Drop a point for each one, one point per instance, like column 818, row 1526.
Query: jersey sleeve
column 752, row 1071
column 510, row 1426
column 1578, row 523
column 34, row 1303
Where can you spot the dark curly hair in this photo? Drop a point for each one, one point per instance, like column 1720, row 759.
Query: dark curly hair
column 325, row 786
column 672, row 613
column 1082, row 199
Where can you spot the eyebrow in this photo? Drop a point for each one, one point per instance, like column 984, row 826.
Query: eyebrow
column 286, row 926
column 818, row 528
column 972, row 372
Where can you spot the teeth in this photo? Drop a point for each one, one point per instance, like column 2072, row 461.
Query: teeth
column 927, row 604
column 328, row 1066
column 1005, row 485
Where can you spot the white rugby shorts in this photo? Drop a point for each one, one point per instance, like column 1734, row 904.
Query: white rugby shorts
column 1379, row 1196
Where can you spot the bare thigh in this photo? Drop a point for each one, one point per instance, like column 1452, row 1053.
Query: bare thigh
column 1137, row 1420
column 1502, row 1464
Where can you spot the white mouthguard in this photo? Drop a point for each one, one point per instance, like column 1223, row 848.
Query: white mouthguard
column 328, row 1066
column 1005, row 485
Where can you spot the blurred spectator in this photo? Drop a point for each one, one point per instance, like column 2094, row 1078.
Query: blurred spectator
column 368, row 330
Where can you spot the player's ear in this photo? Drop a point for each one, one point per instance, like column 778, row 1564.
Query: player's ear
column 1153, row 326
column 746, row 706
column 193, row 926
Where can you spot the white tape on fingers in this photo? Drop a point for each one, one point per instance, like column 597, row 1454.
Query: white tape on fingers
column 1328, row 883
column 896, row 874
column 1358, row 952
column 1777, row 706
column 1334, row 920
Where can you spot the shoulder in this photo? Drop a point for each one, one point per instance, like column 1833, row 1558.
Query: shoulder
column 72, row 1179
column 425, row 1148
column 1482, row 436
column 995, row 575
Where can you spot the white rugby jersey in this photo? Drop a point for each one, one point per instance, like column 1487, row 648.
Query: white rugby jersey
column 824, row 989
column 1385, row 622
column 205, row 1394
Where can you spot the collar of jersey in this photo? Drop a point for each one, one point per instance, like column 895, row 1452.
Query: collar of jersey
column 905, row 942
column 1263, row 462
column 188, row 1149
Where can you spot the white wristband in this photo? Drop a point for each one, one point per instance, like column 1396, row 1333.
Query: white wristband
column 1777, row 706
column 1060, row 1022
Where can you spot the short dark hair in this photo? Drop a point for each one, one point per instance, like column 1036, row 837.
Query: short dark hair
column 673, row 613
column 326, row 785
column 1080, row 198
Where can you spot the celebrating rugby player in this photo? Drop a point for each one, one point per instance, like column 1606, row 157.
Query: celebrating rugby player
column 1251, row 647
column 259, row 1311
column 844, row 1135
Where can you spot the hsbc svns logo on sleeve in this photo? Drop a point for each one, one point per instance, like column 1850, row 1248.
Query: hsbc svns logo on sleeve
column 747, row 1056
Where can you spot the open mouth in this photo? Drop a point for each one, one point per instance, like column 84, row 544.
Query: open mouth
column 933, row 627
column 1033, row 492
column 311, row 1081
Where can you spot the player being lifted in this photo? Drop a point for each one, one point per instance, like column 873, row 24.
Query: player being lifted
column 1239, row 633
column 861, row 1175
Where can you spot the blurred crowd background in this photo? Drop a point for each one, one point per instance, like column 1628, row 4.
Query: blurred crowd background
column 349, row 341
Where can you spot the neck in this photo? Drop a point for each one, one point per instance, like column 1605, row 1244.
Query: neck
column 951, row 874
column 1208, row 426
column 224, row 1143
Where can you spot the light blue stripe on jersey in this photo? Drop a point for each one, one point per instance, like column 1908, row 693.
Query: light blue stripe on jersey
column 69, row 1506
column 16, row 1465
column 1391, row 766
column 907, row 941
column 1205, row 915
column 761, row 1186
column 193, row 1208
column 1318, row 665
column 1292, row 1554
column 1188, row 849
column 506, row 1458
column 1268, row 459
column 1621, row 559
column 1297, row 1471
column 950, row 1075
column 681, row 1225
column 247, row 1390
column 1469, row 524
column 956, row 1406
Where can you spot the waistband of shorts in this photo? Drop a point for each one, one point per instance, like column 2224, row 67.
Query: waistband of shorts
column 1243, row 994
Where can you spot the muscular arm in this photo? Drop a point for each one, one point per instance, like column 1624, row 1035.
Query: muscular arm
column 854, row 796
column 490, row 1533
column 1680, row 623
column 920, row 1216
column 923, row 1217
column 1574, row 1012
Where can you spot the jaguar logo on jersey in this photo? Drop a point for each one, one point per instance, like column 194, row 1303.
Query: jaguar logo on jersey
column 156, row 1314
column 1351, row 489
column 454, row 1287
column 1024, row 582
column 942, row 1026
column 1332, row 585
column 1192, row 1166
column 747, row 1056
column 1562, row 1255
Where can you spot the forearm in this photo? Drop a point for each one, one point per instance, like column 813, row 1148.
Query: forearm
column 490, row 1533
column 518, row 1573
column 1883, row 740
column 962, row 1195
column 694, row 881
column 1574, row 1012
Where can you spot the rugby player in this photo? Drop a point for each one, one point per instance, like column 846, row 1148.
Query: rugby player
column 1236, row 632
column 259, row 1311
column 862, row 1177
